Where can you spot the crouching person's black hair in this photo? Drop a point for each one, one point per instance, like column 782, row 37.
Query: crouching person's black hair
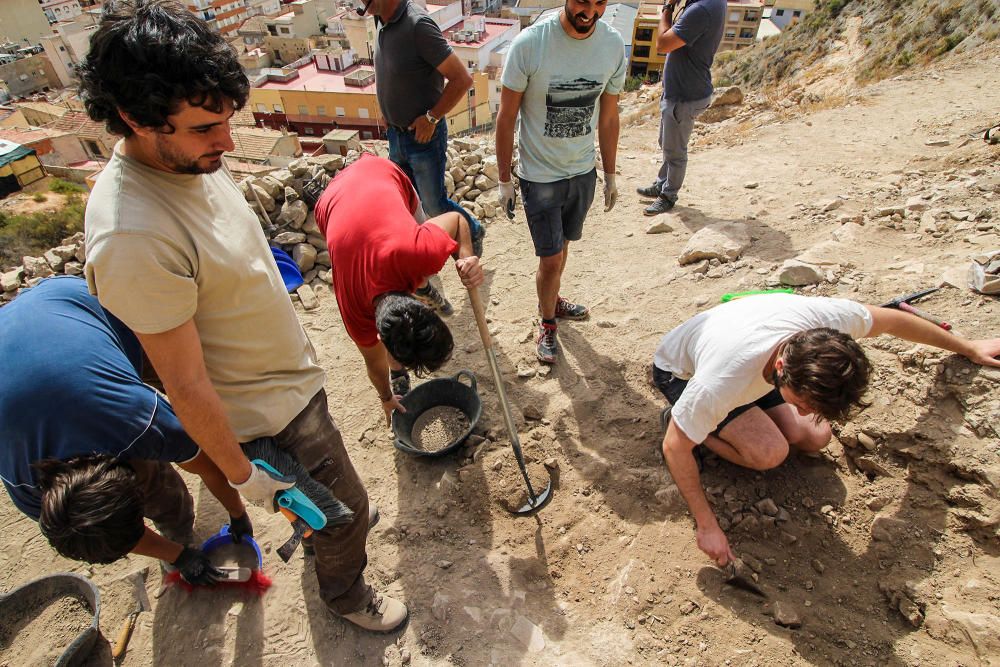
column 413, row 333
column 92, row 507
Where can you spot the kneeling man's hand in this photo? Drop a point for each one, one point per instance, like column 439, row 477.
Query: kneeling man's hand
column 986, row 352
column 713, row 542
column 470, row 271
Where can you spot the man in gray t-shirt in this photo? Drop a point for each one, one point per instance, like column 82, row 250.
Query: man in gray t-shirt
column 561, row 81
column 418, row 80
column 691, row 42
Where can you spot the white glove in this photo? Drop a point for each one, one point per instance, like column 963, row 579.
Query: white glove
column 610, row 192
column 261, row 485
column 505, row 198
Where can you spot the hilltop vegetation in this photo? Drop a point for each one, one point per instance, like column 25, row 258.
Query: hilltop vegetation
column 893, row 35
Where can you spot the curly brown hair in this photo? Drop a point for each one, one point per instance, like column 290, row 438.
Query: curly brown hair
column 149, row 56
column 827, row 368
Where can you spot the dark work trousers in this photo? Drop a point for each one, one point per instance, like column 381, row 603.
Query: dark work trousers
column 167, row 501
column 315, row 442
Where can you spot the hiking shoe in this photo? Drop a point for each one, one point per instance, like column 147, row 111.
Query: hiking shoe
column 651, row 191
column 568, row 310
column 400, row 381
column 665, row 419
column 661, row 205
column 546, row 348
column 381, row 614
column 373, row 516
column 429, row 295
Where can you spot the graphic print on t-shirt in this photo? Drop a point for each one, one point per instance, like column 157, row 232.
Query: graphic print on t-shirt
column 569, row 106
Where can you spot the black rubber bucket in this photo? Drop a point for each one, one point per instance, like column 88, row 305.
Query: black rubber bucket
column 37, row 594
column 450, row 392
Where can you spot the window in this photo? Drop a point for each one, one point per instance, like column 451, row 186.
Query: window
column 279, row 109
column 730, row 34
column 746, row 33
column 779, row 12
column 339, row 111
column 91, row 147
column 640, row 51
column 303, row 110
column 365, row 134
column 797, row 13
column 284, row 31
column 644, row 35
column 734, row 17
column 320, row 110
column 310, row 131
column 362, row 112
column 261, row 108
column 750, row 16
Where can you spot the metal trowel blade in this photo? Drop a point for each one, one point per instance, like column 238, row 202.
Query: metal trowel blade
column 740, row 576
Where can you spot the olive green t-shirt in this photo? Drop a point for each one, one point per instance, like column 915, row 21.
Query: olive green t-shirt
column 164, row 248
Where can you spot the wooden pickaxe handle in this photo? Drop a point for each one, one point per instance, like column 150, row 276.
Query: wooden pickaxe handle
column 924, row 315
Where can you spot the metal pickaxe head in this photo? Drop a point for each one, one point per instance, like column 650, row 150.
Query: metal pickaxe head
column 909, row 298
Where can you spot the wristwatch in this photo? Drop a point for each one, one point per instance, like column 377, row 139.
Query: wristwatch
column 431, row 119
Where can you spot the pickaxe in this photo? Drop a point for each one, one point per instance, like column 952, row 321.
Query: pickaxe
column 903, row 303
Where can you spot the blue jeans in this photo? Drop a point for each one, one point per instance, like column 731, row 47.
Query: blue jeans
column 425, row 165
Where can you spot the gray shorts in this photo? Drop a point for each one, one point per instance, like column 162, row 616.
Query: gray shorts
column 556, row 210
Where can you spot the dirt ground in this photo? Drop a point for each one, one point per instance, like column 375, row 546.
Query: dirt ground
column 885, row 545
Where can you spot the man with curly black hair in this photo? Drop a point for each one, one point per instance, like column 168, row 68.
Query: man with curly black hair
column 175, row 252
column 383, row 253
column 762, row 374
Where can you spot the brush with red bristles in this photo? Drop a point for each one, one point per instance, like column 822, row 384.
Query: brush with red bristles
column 252, row 580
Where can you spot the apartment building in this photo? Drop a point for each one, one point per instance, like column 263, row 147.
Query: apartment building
column 27, row 74
column 225, row 16
column 262, row 7
column 69, row 44
column 742, row 22
column 331, row 90
column 785, row 13
column 61, row 10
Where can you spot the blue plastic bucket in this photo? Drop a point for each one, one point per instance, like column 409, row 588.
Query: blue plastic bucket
column 288, row 269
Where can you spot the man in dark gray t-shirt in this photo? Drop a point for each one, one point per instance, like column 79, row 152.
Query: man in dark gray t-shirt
column 418, row 80
column 691, row 42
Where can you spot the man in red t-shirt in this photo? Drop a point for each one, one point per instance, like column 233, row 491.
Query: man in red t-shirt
column 381, row 256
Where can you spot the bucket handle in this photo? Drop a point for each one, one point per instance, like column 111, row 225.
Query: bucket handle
column 467, row 374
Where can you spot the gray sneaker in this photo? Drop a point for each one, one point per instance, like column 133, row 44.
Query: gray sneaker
column 650, row 191
column 661, row 205
column 546, row 347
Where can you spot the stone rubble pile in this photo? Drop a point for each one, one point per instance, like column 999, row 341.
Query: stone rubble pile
column 276, row 197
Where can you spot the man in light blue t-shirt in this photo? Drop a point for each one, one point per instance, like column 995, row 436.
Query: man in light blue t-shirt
column 557, row 73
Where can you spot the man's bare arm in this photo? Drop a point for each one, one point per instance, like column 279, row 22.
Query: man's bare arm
column 666, row 39
column 677, row 450
column 918, row 330
column 607, row 132
column 458, row 83
column 178, row 359
column 510, row 105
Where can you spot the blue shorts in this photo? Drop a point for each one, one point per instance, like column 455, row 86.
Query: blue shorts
column 556, row 210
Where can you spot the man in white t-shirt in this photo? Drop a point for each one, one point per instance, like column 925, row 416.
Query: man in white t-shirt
column 561, row 81
column 175, row 252
column 755, row 376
